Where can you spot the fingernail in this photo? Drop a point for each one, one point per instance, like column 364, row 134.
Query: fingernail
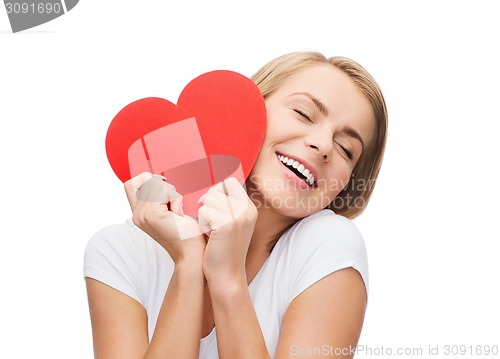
column 202, row 198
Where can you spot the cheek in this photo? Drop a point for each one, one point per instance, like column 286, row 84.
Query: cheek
column 338, row 178
column 280, row 127
column 273, row 132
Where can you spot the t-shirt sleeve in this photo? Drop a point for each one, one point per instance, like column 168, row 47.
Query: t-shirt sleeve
column 322, row 245
column 113, row 256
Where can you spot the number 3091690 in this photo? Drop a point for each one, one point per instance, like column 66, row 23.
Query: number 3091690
column 40, row 8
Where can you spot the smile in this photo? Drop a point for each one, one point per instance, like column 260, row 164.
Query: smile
column 298, row 168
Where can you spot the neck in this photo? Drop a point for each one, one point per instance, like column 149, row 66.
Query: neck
column 268, row 229
column 270, row 225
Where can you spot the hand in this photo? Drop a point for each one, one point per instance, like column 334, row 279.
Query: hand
column 157, row 210
column 228, row 217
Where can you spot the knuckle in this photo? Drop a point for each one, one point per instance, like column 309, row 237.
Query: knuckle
column 252, row 210
column 141, row 178
column 202, row 213
column 232, row 181
column 149, row 217
column 135, row 219
column 179, row 198
column 144, row 174
column 208, row 201
column 142, row 220
column 169, row 186
column 250, row 214
column 137, row 181
column 164, row 191
column 252, row 207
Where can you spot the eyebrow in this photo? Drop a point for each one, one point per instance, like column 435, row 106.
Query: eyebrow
column 322, row 108
column 352, row 133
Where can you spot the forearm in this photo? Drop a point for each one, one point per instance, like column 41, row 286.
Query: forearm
column 178, row 328
column 239, row 335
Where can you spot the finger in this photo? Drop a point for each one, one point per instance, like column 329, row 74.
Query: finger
column 237, row 200
column 174, row 199
column 211, row 219
column 176, row 203
column 138, row 181
column 204, row 220
column 156, row 190
column 222, row 203
column 132, row 185
column 149, row 214
column 231, row 187
column 131, row 197
column 187, row 227
column 202, row 198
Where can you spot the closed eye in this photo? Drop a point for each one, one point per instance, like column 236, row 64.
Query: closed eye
column 302, row 114
column 346, row 151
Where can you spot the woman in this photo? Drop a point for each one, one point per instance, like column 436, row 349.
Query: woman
column 277, row 267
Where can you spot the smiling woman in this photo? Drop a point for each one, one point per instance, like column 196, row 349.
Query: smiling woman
column 356, row 192
column 268, row 267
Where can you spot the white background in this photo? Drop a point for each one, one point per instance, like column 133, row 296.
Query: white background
column 431, row 229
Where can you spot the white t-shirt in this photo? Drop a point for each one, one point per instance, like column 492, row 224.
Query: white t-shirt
column 127, row 259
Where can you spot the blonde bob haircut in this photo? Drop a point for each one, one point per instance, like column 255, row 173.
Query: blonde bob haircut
column 353, row 199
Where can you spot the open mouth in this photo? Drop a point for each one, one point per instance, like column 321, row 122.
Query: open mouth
column 298, row 168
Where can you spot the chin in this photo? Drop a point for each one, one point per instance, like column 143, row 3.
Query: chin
column 289, row 203
column 273, row 186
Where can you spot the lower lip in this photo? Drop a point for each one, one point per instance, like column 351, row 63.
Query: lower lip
column 299, row 183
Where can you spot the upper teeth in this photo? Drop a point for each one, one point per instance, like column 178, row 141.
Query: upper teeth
column 299, row 167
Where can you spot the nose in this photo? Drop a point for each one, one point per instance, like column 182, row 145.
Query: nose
column 321, row 143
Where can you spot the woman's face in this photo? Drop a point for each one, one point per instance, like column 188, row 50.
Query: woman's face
column 318, row 123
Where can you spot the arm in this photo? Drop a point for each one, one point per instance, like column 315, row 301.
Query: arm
column 239, row 335
column 119, row 323
column 178, row 329
column 229, row 216
column 328, row 314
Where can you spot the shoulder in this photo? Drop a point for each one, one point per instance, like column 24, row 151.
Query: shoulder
column 116, row 239
column 326, row 230
column 319, row 245
column 122, row 256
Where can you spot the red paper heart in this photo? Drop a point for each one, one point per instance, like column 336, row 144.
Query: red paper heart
column 215, row 131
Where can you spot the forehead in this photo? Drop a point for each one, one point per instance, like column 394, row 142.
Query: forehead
column 343, row 99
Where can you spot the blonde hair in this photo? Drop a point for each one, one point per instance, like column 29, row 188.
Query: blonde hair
column 353, row 199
